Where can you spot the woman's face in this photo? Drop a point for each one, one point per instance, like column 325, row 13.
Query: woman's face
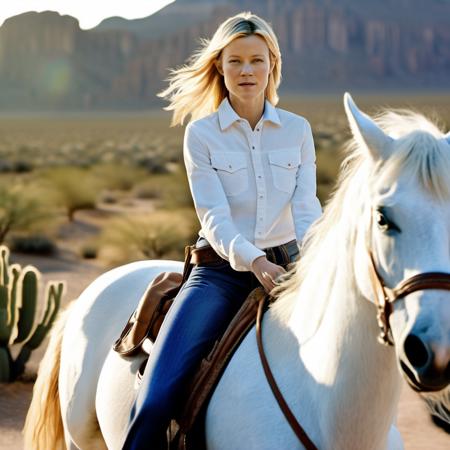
column 245, row 65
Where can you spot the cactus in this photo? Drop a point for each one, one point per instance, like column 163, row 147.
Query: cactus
column 18, row 305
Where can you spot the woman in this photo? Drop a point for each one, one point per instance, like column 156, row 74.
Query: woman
column 252, row 174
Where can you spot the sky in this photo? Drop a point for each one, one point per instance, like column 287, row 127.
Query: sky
column 88, row 13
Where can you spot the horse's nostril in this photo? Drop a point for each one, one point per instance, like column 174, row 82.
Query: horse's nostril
column 416, row 351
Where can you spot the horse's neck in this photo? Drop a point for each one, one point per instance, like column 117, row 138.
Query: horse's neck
column 343, row 355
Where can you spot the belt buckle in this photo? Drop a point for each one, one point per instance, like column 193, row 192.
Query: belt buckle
column 283, row 252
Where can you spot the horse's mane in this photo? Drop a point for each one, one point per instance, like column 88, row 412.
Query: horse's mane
column 420, row 150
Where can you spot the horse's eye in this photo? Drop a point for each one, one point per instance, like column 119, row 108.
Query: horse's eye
column 384, row 223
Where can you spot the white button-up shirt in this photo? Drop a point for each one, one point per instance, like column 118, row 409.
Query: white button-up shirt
column 252, row 189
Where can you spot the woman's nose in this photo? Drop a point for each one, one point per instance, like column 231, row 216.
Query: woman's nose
column 247, row 68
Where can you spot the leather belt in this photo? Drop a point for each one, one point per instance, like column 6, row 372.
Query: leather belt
column 207, row 255
column 204, row 255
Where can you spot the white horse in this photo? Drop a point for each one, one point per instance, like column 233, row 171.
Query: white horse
column 392, row 200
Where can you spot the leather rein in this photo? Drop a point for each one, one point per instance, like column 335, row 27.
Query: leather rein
column 384, row 299
column 288, row 414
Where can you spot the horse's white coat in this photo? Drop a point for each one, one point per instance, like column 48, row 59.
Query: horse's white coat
column 96, row 320
column 320, row 336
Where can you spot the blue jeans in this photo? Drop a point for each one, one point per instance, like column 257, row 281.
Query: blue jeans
column 202, row 310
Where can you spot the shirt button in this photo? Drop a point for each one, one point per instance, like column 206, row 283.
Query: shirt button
column 260, row 218
column 261, row 196
column 257, row 129
column 259, row 176
column 253, row 147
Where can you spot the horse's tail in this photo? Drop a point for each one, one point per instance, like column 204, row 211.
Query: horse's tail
column 43, row 429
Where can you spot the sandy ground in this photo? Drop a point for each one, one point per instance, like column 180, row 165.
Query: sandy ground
column 418, row 432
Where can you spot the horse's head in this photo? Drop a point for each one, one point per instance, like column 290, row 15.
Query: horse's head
column 405, row 208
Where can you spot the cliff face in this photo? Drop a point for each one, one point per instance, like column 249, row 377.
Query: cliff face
column 47, row 61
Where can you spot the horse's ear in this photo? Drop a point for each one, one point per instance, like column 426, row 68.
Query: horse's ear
column 367, row 131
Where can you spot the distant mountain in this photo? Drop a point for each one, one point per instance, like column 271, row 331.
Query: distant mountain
column 171, row 19
column 48, row 62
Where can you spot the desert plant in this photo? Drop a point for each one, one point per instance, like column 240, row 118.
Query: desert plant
column 72, row 187
column 89, row 250
column 117, row 176
column 109, row 197
column 146, row 192
column 22, row 166
column 19, row 210
column 161, row 234
column 36, row 243
column 155, row 163
column 18, row 305
column 172, row 189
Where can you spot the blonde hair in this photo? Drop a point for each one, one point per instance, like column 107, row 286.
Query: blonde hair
column 197, row 88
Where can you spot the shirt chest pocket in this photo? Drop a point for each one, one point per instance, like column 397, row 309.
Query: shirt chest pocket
column 232, row 170
column 284, row 163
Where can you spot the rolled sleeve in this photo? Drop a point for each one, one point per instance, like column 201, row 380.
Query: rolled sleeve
column 212, row 206
column 305, row 205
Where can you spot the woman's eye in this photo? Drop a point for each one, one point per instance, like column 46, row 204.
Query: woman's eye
column 236, row 60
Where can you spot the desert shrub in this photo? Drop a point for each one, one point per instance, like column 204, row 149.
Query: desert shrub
column 71, row 188
column 117, row 176
column 89, row 250
column 171, row 188
column 22, row 166
column 154, row 163
column 20, row 210
column 150, row 189
column 161, row 234
column 109, row 197
column 18, row 166
column 36, row 244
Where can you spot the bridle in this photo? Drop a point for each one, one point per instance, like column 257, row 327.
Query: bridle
column 385, row 297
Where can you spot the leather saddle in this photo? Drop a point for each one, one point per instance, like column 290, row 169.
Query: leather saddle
column 142, row 329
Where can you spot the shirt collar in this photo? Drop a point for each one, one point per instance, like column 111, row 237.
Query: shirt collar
column 227, row 115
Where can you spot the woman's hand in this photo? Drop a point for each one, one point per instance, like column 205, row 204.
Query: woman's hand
column 266, row 272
